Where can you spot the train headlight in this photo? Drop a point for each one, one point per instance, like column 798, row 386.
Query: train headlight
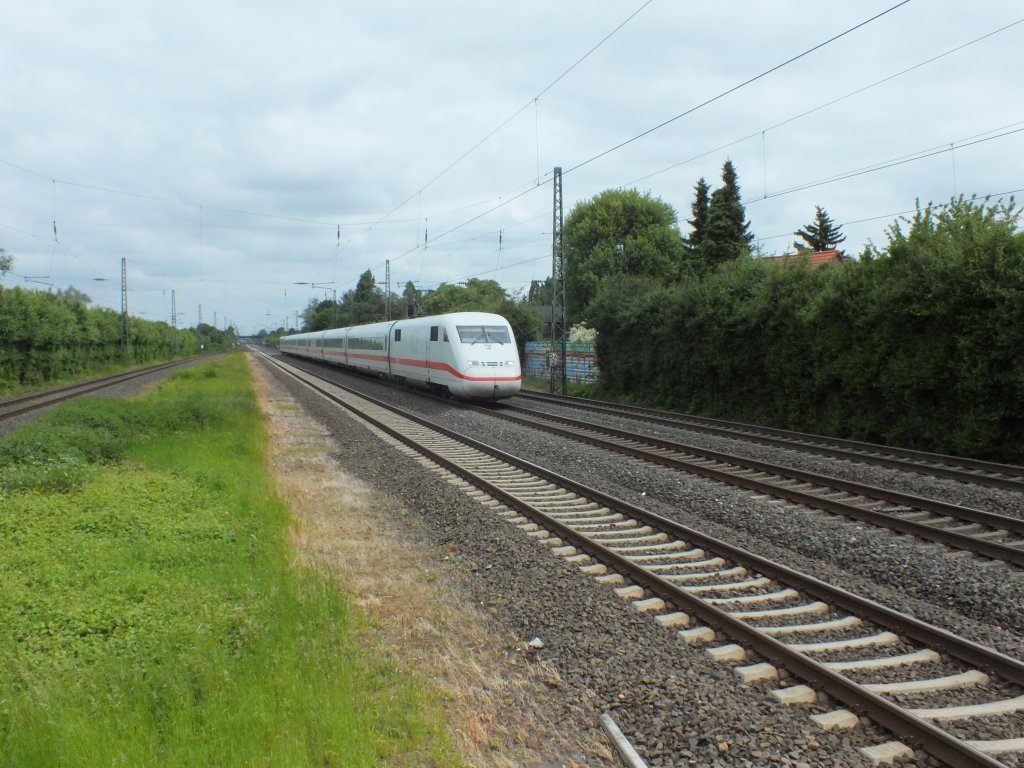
column 511, row 363
column 470, row 363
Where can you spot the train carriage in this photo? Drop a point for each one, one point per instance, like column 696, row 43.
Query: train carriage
column 366, row 348
column 471, row 355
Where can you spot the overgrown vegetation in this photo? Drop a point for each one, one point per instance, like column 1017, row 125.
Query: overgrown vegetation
column 917, row 343
column 50, row 337
column 150, row 609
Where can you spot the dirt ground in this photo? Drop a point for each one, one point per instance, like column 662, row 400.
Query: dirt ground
column 500, row 713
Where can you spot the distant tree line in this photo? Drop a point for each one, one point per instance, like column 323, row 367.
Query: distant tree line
column 46, row 336
column 367, row 303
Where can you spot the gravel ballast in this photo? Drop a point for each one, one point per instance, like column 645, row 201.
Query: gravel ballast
column 672, row 701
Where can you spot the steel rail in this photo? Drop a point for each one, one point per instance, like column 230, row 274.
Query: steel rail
column 953, row 539
column 1006, row 476
column 899, row 721
column 24, row 404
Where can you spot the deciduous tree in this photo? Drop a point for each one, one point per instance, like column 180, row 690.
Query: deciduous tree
column 618, row 232
column 485, row 296
column 366, row 304
column 412, row 298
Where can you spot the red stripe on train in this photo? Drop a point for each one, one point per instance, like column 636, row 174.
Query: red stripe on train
column 434, row 366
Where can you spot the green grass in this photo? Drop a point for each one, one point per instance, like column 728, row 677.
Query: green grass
column 150, row 610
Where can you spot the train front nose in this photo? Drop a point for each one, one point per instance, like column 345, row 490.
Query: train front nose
column 492, row 379
column 491, row 389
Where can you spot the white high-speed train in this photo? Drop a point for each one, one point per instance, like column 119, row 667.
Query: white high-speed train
column 471, row 355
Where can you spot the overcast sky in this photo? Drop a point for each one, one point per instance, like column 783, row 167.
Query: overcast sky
column 232, row 150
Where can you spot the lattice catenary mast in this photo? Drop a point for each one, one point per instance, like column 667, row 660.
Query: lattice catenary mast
column 558, row 313
column 125, row 344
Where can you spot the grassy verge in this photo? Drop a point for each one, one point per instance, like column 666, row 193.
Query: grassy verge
column 13, row 389
column 150, row 609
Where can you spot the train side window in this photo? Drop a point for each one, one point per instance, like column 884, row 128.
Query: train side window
column 446, row 336
column 398, row 334
column 433, row 332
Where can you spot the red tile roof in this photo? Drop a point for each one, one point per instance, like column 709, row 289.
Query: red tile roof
column 814, row 260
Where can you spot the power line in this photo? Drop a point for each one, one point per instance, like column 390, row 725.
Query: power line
column 735, row 88
column 525, row 191
column 897, row 74
column 666, row 122
column 669, row 121
column 950, row 147
column 826, row 104
column 386, row 216
column 157, row 198
column 518, row 112
column 971, row 199
column 969, row 141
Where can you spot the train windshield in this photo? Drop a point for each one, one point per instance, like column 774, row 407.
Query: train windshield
column 490, row 334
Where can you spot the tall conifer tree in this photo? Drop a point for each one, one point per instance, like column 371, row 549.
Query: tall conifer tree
column 821, row 235
column 699, row 209
column 727, row 234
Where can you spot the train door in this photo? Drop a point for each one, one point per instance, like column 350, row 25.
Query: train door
column 438, row 356
column 432, row 353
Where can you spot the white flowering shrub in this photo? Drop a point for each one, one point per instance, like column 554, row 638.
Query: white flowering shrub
column 580, row 334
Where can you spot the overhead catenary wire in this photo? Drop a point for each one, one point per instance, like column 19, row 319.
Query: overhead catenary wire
column 896, row 214
column 827, row 104
column 503, row 203
column 893, row 163
column 438, row 230
column 969, row 141
column 689, row 111
column 846, row 175
column 516, row 114
column 735, row 88
column 547, row 88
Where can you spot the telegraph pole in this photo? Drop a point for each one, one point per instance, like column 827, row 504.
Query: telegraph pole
column 558, row 315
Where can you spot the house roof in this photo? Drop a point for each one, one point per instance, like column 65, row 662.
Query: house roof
column 814, row 260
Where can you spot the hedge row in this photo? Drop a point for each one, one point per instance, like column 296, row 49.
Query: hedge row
column 50, row 336
column 920, row 344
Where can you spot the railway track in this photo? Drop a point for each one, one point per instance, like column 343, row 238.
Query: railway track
column 18, row 406
column 955, row 699
column 1006, row 476
column 984, row 533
